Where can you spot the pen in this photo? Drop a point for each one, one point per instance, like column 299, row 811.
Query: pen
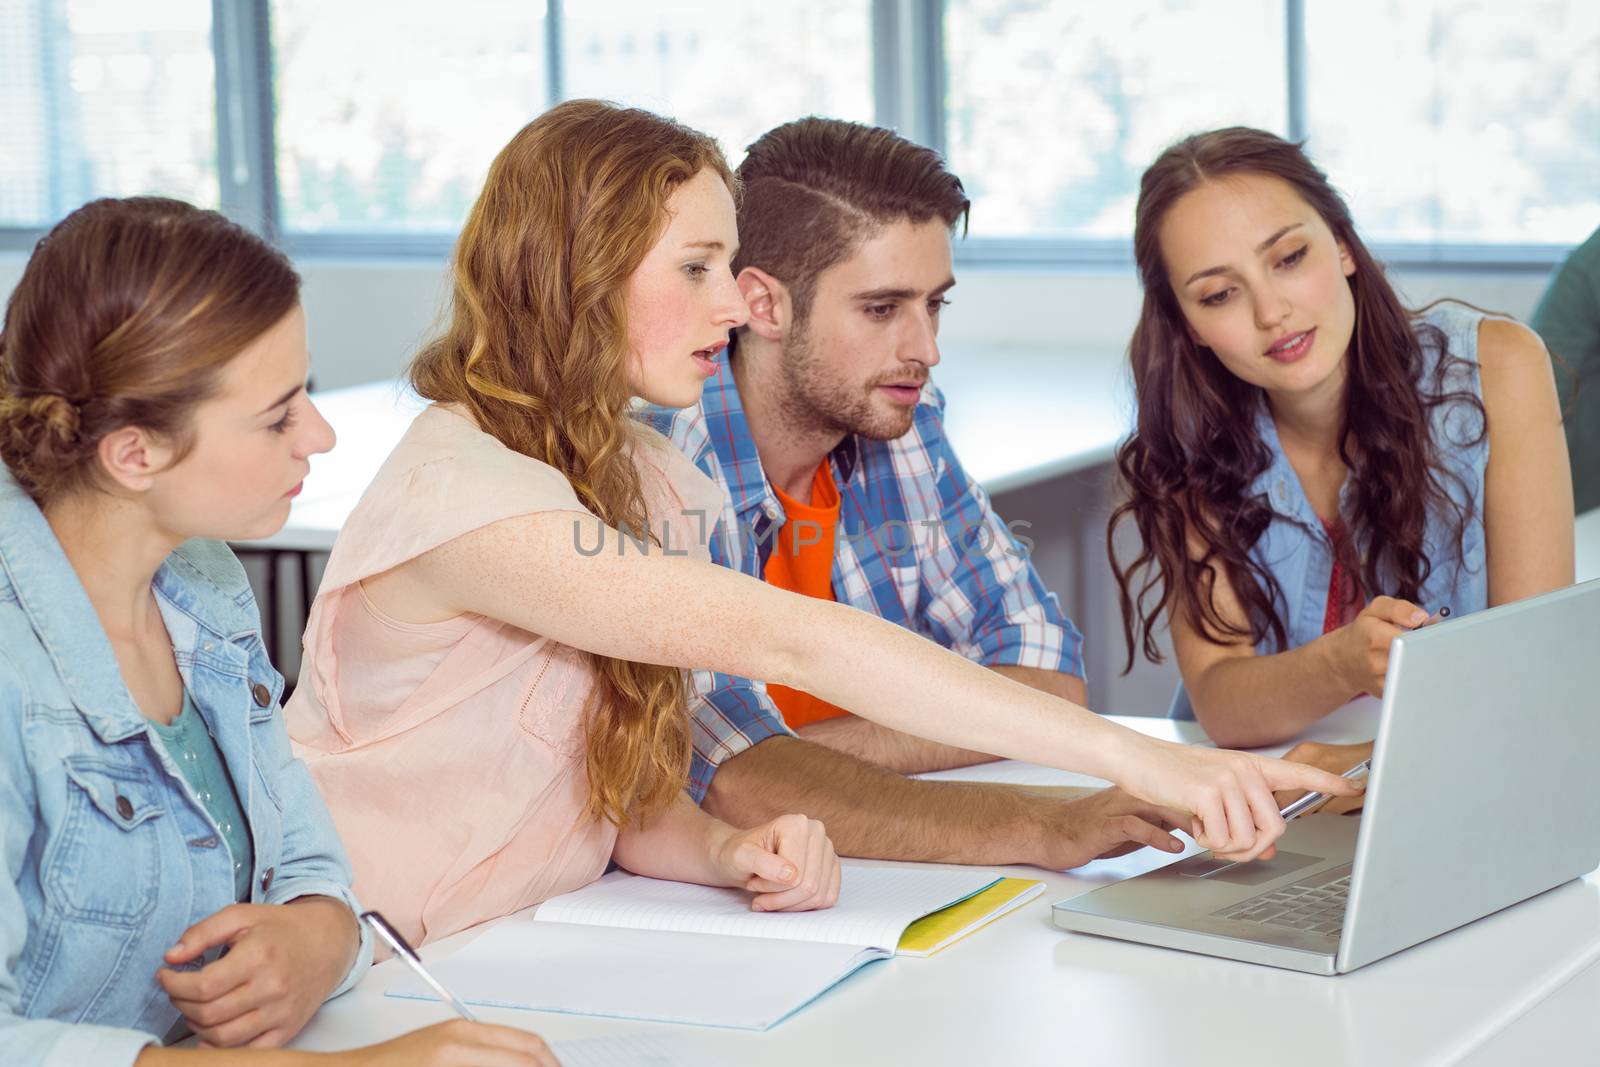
column 1438, row 616
column 1297, row 808
column 392, row 937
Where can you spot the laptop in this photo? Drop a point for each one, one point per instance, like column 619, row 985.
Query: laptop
column 1481, row 795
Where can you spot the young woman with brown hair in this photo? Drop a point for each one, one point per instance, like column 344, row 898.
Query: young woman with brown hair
column 152, row 397
column 493, row 698
column 1315, row 469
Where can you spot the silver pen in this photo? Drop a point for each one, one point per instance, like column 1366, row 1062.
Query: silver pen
column 1297, row 808
column 392, row 938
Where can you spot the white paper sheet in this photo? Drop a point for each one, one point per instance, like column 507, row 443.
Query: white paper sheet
column 875, row 906
column 660, row 976
column 1015, row 772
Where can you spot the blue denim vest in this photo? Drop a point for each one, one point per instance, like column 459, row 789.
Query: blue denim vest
column 1295, row 548
column 108, row 854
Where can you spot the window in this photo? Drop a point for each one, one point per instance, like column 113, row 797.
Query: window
column 807, row 58
column 1054, row 110
column 394, row 136
column 104, row 98
column 389, row 114
column 1462, row 131
column 1465, row 121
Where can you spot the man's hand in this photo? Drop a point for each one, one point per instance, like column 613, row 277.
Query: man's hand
column 1334, row 758
column 1071, row 832
column 282, row 962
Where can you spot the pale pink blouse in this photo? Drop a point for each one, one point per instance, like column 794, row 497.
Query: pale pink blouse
column 451, row 753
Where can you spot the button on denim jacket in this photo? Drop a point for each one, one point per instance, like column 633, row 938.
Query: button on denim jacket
column 108, row 855
column 1295, row 548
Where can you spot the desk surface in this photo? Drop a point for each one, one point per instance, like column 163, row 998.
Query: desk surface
column 1565, row 1021
column 1587, row 546
column 1024, row 992
column 1019, row 416
column 1016, row 416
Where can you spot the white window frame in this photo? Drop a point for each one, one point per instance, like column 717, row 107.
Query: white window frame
column 909, row 80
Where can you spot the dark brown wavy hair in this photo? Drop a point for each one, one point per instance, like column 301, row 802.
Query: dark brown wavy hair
column 537, row 350
column 125, row 316
column 1187, row 469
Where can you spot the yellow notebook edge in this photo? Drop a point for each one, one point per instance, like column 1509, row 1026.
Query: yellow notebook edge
column 940, row 929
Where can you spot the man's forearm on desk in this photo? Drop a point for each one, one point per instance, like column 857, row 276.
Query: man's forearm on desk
column 872, row 812
column 869, row 810
column 1056, row 683
column 901, row 752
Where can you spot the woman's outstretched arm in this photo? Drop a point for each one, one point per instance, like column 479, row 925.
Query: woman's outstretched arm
column 563, row 575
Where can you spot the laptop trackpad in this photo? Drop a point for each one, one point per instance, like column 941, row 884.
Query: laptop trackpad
column 1253, row 873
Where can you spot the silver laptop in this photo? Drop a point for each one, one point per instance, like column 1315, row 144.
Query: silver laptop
column 1482, row 794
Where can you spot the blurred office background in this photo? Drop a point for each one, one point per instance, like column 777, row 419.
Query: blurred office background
column 355, row 133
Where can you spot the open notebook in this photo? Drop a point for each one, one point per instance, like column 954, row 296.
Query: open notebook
column 641, row 948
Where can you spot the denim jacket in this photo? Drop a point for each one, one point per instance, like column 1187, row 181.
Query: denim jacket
column 1295, row 548
column 108, row 854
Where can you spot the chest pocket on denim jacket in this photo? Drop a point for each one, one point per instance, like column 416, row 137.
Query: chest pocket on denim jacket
column 105, row 861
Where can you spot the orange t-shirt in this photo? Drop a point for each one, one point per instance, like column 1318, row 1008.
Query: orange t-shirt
column 802, row 562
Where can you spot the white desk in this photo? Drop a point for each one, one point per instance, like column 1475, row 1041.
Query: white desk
column 1565, row 1020
column 1019, row 416
column 1016, row 416
column 1024, row 992
column 1586, row 546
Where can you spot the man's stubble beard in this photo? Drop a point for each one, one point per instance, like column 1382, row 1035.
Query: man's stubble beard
column 812, row 402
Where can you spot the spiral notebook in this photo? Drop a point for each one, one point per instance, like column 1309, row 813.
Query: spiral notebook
column 641, row 948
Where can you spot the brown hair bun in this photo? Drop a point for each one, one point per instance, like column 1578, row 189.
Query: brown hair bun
column 39, row 436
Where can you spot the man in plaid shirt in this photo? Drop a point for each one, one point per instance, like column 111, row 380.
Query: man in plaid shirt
column 826, row 431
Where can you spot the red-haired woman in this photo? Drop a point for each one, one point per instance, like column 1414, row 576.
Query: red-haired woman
column 1315, row 469
column 152, row 397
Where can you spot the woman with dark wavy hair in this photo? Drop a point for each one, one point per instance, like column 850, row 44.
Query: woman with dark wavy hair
column 1315, row 469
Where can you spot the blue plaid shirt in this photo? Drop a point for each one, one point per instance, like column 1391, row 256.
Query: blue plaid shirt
column 918, row 544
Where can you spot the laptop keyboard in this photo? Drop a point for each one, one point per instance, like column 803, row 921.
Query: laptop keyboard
column 1314, row 904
